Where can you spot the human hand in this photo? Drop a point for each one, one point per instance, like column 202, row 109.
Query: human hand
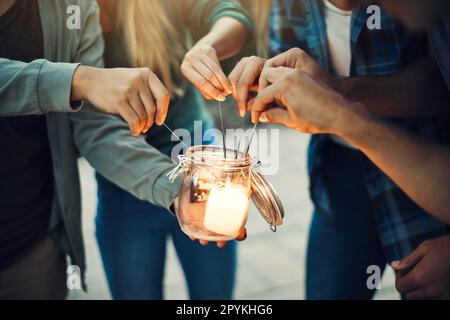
column 425, row 273
column 137, row 95
column 303, row 103
column 201, row 66
column 243, row 78
column 221, row 244
column 299, row 60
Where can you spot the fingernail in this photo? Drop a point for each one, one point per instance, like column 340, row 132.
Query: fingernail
column 244, row 236
column 263, row 118
column 242, row 113
column 221, row 97
column 221, row 245
column 395, row 263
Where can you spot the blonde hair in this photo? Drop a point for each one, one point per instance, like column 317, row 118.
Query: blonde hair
column 151, row 39
column 260, row 11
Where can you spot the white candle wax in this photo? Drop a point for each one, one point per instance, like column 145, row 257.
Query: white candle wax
column 226, row 210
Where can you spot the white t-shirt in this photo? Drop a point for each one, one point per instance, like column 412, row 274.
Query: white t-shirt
column 338, row 24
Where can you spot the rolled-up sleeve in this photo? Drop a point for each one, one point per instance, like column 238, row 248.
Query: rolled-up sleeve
column 37, row 87
column 204, row 13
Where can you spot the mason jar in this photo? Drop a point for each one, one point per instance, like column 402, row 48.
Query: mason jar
column 216, row 189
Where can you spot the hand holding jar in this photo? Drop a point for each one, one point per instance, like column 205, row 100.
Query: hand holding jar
column 215, row 194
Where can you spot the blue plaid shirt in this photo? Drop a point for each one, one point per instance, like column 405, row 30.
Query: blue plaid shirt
column 401, row 223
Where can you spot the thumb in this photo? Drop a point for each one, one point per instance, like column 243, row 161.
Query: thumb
column 407, row 262
column 277, row 115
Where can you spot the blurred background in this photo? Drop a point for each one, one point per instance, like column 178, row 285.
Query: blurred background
column 271, row 265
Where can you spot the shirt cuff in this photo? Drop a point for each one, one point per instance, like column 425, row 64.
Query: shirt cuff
column 165, row 192
column 231, row 12
column 55, row 87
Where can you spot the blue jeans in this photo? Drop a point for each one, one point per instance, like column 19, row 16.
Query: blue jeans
column 343, row 245
column 132, row 236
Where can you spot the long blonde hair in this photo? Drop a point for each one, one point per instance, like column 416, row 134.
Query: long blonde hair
column 260, row 10
column 151, row 39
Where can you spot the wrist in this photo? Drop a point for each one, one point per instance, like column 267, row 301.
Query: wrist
column 80, row 83
column 353, row 121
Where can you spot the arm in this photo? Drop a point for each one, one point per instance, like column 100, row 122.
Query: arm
column 41, row 86
column 406, row 94
column 419, row 168
column 35, row 88
column 104, row 139
column 425, row 273
column 227, row 35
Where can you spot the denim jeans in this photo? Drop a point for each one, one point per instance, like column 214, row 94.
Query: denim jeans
column 132, row 236
column 343, row 245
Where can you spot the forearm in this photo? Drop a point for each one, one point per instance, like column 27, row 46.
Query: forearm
column 416, row 92
column 34, row 88
column 419, row 168
column 227, row 36
column 136, row 166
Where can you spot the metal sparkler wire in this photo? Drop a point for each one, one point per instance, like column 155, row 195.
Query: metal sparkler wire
column 223, row 132
column 173, row 133
column 251, row 139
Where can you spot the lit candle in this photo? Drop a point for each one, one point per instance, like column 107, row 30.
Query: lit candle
column 226, row 210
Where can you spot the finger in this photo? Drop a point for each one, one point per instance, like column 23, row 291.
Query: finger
column 207, row 97
column 254, row 88
column 150, row 107
column 249, row 77
column 265, row 97
column 204, row 242
column 216, row 68
column 419, row 294
column 130, row 116
column 408, row 262
column 406, row 283
column 263, row 82
column 242, row 235
column 242, row 97
column 278, row 61
column 136, row 103
column 221, row 244
column 234, row 77
column 204, row 86
column 250, row 103
column 276, row 115
column 271, row 75
column 162, row 96
column 207, row 74
column 289, row 59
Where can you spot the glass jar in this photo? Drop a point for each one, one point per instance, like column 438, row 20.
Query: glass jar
column 216, row 191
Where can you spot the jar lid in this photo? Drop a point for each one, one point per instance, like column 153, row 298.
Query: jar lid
column 267, row 201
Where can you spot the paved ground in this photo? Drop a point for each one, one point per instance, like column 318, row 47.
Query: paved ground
column 271, row 266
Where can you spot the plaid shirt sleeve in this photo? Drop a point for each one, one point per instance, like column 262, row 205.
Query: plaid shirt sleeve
column 402, row 225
